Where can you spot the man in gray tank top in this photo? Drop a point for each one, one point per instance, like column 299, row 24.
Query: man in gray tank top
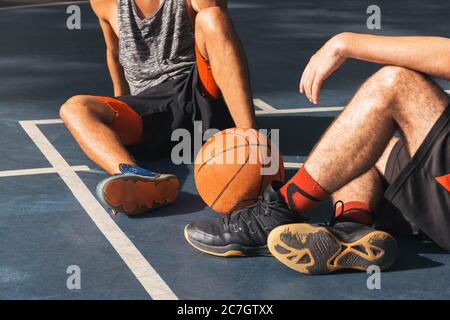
column 171, row 62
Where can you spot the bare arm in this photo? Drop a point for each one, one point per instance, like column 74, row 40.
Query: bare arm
column 430, row 55
column 104, row 10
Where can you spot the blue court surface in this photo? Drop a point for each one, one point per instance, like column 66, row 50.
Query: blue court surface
column 50, row 219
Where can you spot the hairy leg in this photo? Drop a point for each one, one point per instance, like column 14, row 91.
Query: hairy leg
column 392, row 98
column 219, row 43
column 89, row 120
column 367, row 188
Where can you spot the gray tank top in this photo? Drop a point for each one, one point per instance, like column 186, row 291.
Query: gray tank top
column 157, row 48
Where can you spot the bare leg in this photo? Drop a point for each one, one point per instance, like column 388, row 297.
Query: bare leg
column 88, row 119
column 218, row 42
column 392, row 98
column 367, row 188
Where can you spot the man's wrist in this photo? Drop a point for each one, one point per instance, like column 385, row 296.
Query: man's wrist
column 342, row 44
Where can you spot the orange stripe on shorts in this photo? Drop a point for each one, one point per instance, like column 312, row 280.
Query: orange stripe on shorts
column 208, row 84
column 128, row 124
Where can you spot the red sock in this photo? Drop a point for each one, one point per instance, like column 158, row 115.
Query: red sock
column 357, row 211
column 302, row 192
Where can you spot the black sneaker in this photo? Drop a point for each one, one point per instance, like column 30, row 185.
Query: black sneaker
column 318, row 249
column 245, row 231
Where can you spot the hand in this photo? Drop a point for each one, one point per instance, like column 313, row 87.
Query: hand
column 321, row 65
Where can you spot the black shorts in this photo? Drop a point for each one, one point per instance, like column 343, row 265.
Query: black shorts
column 418, row 186
column 176, row 104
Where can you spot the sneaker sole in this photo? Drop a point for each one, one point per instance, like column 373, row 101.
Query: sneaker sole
column 232, row 250
column 135, row 194
column 313, row 249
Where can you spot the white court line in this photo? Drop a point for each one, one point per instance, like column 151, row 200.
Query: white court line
column 141, row 268
column 268, row 109
column 29, row 172
column 292, row 165
column 26, row 6
column 263, row 105
column 46, row 121
column 299, row 110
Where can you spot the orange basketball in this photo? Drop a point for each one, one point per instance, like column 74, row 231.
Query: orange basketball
column 234, row 167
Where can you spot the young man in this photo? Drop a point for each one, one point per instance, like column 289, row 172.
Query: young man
column 171, row 62
column 359, row 162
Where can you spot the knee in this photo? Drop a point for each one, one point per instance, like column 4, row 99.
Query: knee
column 212, row 20
column 73, row 107
column 393, row 76
column 390, row 85
column 408, row 87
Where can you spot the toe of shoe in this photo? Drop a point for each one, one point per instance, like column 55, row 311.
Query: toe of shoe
column 99, row 191
column 203, row 232
column 189, row 232
column 193, row 232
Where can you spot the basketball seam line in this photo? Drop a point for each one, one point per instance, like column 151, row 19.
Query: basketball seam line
column 235, row 175
column 229, row 182
column 223, row 151
column 226, row 150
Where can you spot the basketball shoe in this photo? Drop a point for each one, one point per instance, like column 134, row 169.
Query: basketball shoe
column 324, row 248
column 136, row 190
column 245, row 231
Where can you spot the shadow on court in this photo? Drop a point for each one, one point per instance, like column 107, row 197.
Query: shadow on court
column 412, row 254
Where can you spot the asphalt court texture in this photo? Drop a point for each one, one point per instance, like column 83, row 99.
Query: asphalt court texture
column 50, row 219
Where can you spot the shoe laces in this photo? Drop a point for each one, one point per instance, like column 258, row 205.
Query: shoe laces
column 336, row 216
column 249, row 214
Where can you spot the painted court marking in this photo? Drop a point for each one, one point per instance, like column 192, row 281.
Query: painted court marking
column 268, row 109
column 29, row 172
column 265, row 107
column 300, row 110
column 293, row 165
column 141, row 268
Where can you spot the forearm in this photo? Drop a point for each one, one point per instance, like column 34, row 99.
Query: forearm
column 430, row 55
column 120, row 84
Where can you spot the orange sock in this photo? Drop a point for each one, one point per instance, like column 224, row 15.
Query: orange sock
column 302, row 192
column 356, row 211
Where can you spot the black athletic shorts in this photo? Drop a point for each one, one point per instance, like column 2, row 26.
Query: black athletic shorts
column 419, row 186
column 176, row 104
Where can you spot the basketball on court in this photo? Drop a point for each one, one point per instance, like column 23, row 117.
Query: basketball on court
column 234, row 167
